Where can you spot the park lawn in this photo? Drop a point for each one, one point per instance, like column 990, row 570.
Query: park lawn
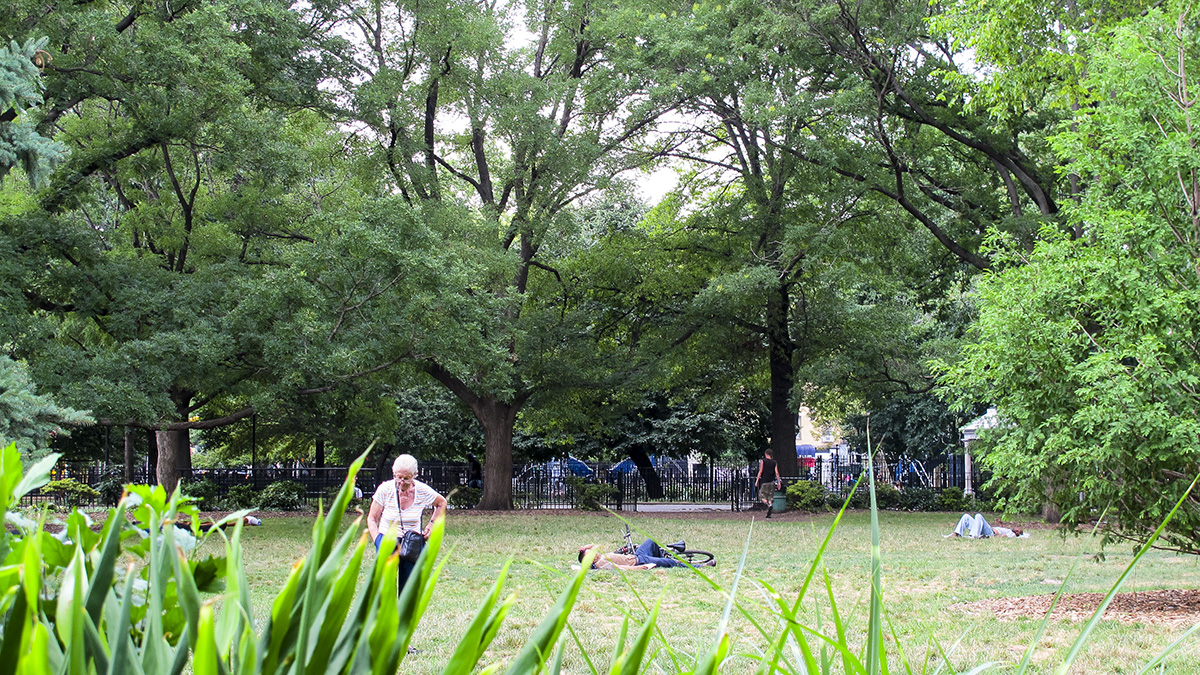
column 924, row 575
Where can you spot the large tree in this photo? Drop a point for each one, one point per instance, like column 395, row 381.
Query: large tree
column 186, row 183
column 747, row 103
column 518, row 110
column 1087, row 343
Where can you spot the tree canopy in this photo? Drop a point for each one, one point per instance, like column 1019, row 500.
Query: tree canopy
column 1088, row 341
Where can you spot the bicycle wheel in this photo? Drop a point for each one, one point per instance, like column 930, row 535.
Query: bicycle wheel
column 697, row 558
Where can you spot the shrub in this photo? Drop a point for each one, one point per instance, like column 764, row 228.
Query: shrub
column 918, row 499
column 284, row 495
column 860, row 500
column 806, row 495
column 111, row 486
column 887, row 496
column 241, row 497
column 953, row 499
column 329, row 496
column 463, row 497
column 70, row 491
column 203, row 492
column 983, row 505
column 590, row 496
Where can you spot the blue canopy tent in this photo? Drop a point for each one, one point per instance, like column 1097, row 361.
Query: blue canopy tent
column 806, row 455
column 578, row 467
column 624, row 466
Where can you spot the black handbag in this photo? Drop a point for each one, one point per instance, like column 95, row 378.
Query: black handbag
column 411, row 542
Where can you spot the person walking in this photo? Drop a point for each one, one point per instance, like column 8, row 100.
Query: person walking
column 401, row 502
column 474, row 472
column 768, row 480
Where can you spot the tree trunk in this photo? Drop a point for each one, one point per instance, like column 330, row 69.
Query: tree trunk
column 498, row 419
column 152, row 456
column 168, row 459
column 320, row 463
column 383, row 458
column 175, row 451
column 130, row 455
column 650, row 477
column 783, row 416
column 1050, row 511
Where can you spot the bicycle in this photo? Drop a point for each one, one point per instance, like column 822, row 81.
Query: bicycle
column 693, row 557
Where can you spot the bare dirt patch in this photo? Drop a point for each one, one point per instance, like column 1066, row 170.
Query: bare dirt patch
column 1172, row 607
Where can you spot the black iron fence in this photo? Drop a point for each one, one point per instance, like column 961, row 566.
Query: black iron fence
column 551, row 485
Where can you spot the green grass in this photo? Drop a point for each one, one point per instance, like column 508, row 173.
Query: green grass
column 924, row 575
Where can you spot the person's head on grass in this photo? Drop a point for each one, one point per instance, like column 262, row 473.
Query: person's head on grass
column 583, row 550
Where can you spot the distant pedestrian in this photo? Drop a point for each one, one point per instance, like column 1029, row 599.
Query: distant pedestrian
column 474, row 472
column 768, row 480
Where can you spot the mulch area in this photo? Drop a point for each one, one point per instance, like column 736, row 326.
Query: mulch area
column 1173, row 607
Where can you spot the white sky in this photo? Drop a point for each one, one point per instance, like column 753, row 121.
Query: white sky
column 653, row 186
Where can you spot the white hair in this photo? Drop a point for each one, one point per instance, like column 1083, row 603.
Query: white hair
column 405, row 462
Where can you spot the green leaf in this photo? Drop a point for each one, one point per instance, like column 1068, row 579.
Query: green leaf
column 533, row 656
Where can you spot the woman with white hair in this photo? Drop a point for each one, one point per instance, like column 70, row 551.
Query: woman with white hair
column 401, row 502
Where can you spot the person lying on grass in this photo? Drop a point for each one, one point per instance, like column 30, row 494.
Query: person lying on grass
column 977, row 527
column 647, row 556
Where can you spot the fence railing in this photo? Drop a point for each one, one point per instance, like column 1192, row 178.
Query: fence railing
column 554, row 485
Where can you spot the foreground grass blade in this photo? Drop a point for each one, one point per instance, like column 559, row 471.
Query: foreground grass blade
column 630, row 662
column 1027, row 658
column 14, row 635
column 536, row 651
column 720, row 650
column 1091, row 624
column 332, row 614
column 816, row 562
column 482, row 629
column 1170, row 649
column 206, row 660
column 875, row 656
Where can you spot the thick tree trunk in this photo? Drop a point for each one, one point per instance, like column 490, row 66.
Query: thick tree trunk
column 783, row 416
column 498, row 419
column 650, row 477
column 130, row 456
column 320, row 459
column 174, row 446
column 168, row 459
